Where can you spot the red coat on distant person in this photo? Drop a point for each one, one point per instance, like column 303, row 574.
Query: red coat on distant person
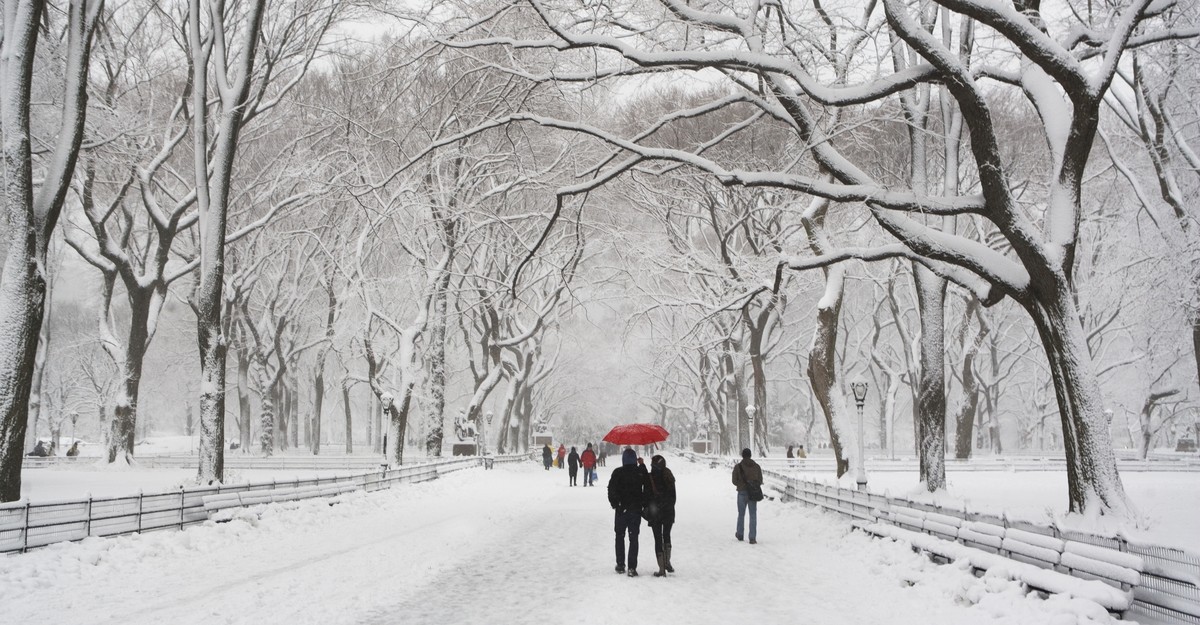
column 588, row 458
column 562, row 456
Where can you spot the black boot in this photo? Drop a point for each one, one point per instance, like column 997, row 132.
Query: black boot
column 632, row 573
column 662, row 566
column 667, row 559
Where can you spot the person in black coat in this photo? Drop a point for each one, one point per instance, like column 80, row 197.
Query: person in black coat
column 547, row 456
column 627, row 496
column 660, row 511
column 573, row 466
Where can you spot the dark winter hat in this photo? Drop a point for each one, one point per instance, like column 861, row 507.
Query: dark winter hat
column 629, row 456
column 658, row 461
column 746, row 453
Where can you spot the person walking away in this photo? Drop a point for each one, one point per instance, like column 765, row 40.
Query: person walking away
column 660, row 512
column 746, row 475
column 547, row 456
column 790, row 454
column 562, row 455
column 573, row 466
column 800, row 452
column 588, row 460
column 626, row 495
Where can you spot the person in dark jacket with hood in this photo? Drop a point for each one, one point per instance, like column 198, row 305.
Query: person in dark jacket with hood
column 626, row 495
column 660, row 511
column 547, row 455
column 573, row 466
column 747, row 472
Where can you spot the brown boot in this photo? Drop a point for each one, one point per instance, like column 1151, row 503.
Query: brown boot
column 662, row 566
column 667, row 559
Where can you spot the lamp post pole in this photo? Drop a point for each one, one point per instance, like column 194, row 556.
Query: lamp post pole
column 859, row 388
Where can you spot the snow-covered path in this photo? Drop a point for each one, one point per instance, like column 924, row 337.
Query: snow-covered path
column 505, row 546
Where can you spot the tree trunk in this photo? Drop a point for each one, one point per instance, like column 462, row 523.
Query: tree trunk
column 822, row 369
column 437, row 372
column 266, row 411
column 349, row 419
column 1092, row 479
column 759, row 380
column 398, row 429
column 931, row 389
column 968, row 414
column 243, row 389
column 124, row 423
column 39, row 369
column 318, row 407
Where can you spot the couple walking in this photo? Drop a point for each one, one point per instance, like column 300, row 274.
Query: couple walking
column 635, row 493
column 587, row 460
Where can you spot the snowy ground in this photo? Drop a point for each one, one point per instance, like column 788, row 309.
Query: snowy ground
column 1168, row 502
column 506, row 546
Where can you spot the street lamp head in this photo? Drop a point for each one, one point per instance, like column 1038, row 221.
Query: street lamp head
column 489, row 417
column 859, row 387
column 386, row 399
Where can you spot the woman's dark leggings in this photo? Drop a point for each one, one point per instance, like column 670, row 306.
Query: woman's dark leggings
column 662, row 536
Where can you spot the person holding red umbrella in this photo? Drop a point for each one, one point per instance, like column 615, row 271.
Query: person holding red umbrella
column 627, row 496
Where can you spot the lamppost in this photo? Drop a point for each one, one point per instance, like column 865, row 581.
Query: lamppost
column 386, row 399
column 750, row 410
column 859, row 387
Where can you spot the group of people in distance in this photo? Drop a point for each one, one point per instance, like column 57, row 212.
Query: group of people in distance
column 635, row 494
column 573, row 461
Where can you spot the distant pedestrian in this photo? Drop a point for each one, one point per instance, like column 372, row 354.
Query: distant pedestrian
column 562, row 456
column 660, row 511
column 790, row 453
column 603, row 459
column 573, row 466
column 747, row 478
column 547, row 456
column 626, row 495
column 74, row 450
column 800, row 452
column 588, row 460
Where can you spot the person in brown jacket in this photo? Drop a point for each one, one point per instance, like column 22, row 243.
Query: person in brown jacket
column 746, row 474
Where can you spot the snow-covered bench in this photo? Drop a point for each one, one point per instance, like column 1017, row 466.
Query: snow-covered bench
column 214, row 504
column 1110, row 597
column 1080, row 559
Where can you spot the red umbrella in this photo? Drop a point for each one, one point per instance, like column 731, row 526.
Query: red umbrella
column 636, row 434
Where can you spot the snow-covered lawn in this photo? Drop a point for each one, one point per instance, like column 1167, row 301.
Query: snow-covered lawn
column 70, row 482
column 512, row 545
column 1169, row 502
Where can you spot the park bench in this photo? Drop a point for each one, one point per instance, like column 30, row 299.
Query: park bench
column 1047, row 563
column 1111, row 598
column 218, row 506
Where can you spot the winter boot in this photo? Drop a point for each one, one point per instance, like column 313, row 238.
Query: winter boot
column 662, row 566
column 667, row 559
column 620, row 568
column 632, row 573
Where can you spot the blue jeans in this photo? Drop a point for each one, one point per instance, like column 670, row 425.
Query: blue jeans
column 744, row 500
column 630, row 521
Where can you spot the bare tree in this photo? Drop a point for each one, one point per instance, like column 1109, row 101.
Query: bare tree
column 32, row 209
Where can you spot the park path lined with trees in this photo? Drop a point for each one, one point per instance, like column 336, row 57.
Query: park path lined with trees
column 502, row 546
column 534, row 217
